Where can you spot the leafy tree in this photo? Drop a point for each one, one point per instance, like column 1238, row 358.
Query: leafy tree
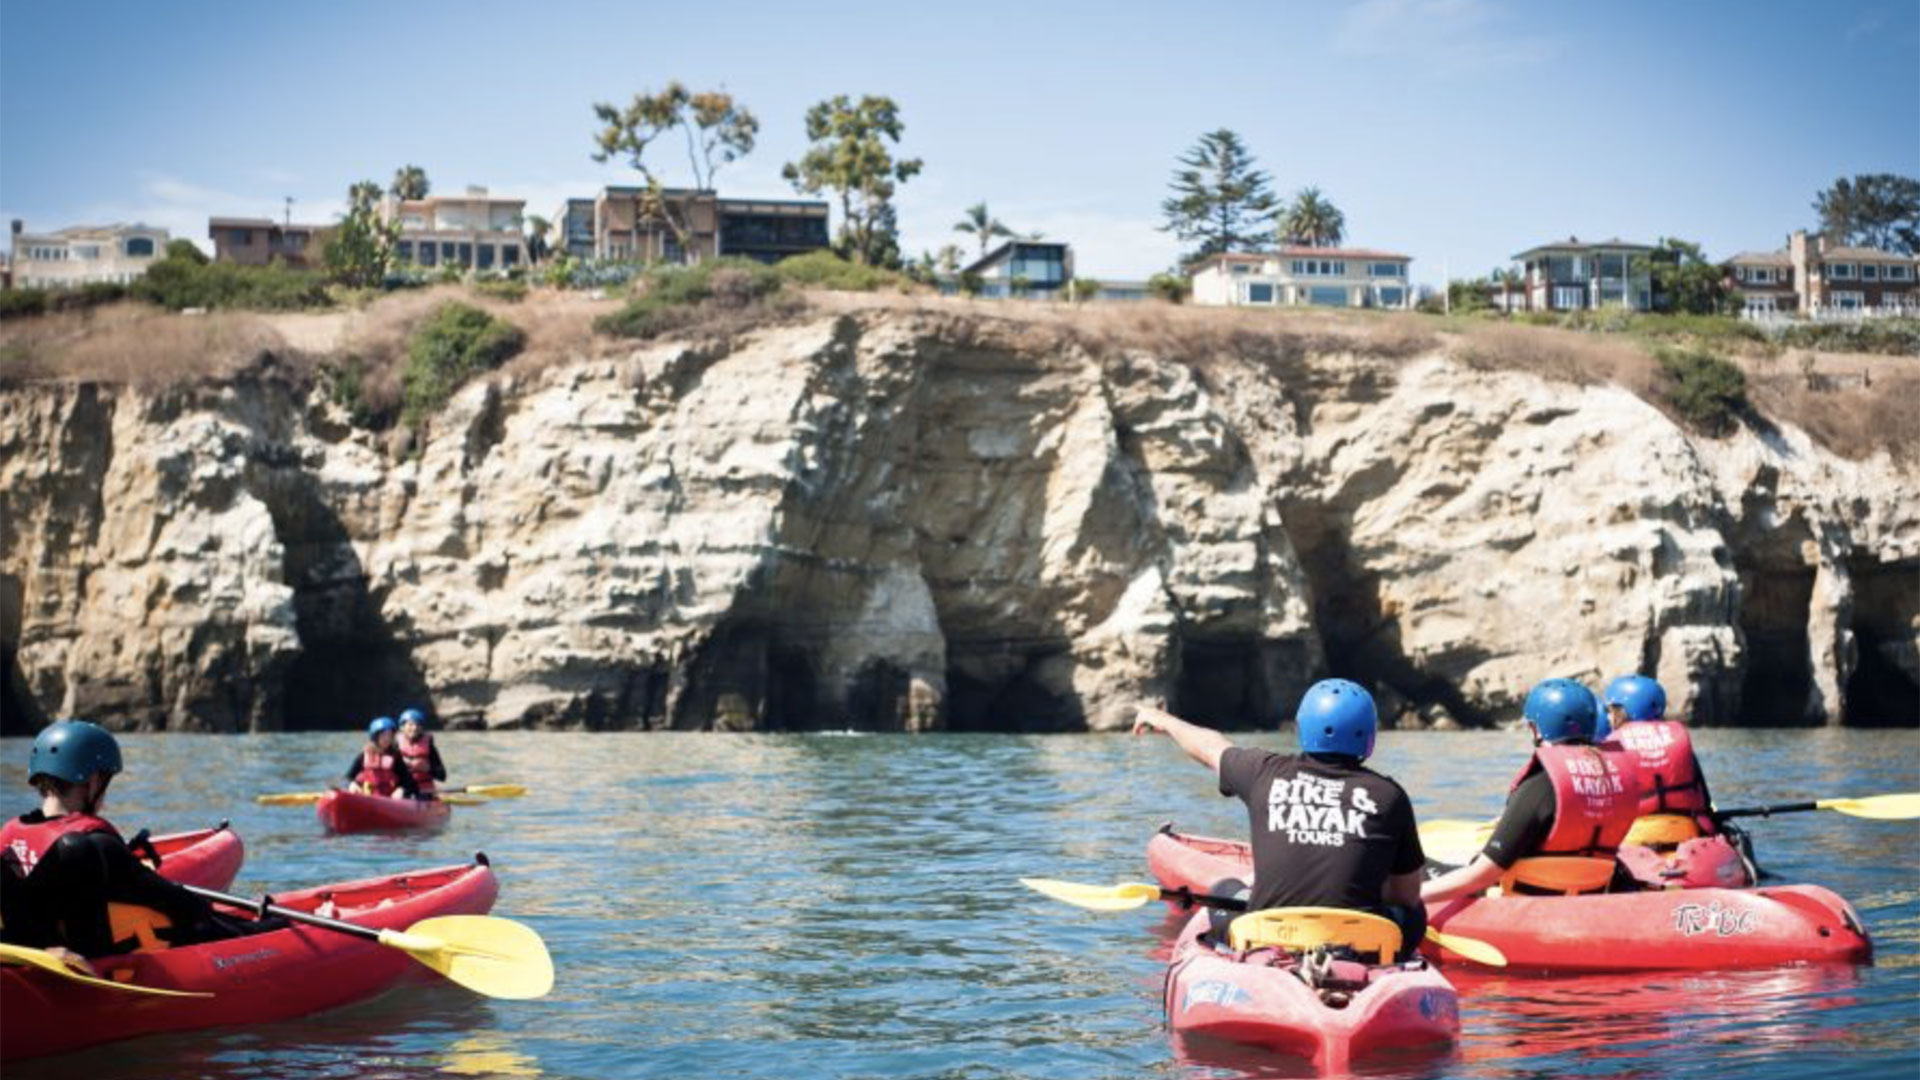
column 1878, row 210
column 850, row 156
column 537, row 228
column 1469, row 295
column 1083, row 289
column 981, row 224
column 1311, row 220
column 361, row 250
column 1220, row 200
column 409, row 182
column 186, row 251
column 1683, row 279
column 718, row 131
column 949, row 259
column 1169, row 287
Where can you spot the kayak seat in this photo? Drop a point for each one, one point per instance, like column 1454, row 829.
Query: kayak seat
column 1302, row 928
column 1664, row 831
column 138, row 929
column 1558, row 874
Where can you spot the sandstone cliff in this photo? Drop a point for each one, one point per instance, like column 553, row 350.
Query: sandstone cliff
column 921, row 519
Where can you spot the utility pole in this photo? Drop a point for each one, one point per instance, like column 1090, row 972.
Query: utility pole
column 287, row 221
column 1446, row 289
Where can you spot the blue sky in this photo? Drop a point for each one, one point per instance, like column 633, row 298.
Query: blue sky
column 1456, row 131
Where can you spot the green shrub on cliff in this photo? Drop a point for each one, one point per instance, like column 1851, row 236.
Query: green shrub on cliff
column 185, row 279
column 825, row 270
column 457, row 342
column 1709, row 392
column 674, row 297
column 1893, row 337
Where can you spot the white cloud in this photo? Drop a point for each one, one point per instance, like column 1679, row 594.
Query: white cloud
column 1448, row 37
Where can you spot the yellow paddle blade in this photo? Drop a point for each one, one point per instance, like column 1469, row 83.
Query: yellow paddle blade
column 46, row 961
column 1454, row 842
column 1878, row 807
column 454, row 798
column 1123, row 897
column 1480, row 952
column 489, row 955
column 291, row 798
column 496, row 791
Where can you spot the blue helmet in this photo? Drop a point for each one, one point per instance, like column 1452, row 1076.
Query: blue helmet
column 1337, row 717
column 73, row 750
column 1562, row 709
column 413, row 716
column 380, row 724
column 1602, row 723
column 1640, row 696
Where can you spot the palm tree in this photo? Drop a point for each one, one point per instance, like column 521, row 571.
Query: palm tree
column 1311, row 220
column 949, row 257
column 409, row 182
column 981, row 224
column 537, row 229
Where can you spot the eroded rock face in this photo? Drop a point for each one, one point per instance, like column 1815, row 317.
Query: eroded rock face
column 910, row 522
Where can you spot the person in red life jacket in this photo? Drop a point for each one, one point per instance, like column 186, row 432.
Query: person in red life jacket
column 70, row 884
column 1567, row 811
column 418, row 750
column 1670, row 773
column 1326, row 830
column 378, row 769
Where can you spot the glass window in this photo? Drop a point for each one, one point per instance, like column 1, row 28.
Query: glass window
column 240, row 237
column 1613, row 264
column 1327, row 296
column 426, row 253
column 1566, row 297
column 1840, row 271
column 1297, row 265
column 1241, row 268
column 486, row 256
column 406, row 251
column 1899, row 273
column 465, row 256
column 509, row 254
column 1848, row 301
column 1869, row 272
column 1259, row 292
column 1392, row 296
column 1387, row 270
column 139, row 246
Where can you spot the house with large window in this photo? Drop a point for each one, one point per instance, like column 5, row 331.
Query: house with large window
column 1576, row 275
column 259, row 241
column 474, row 231
column 570, row 232
column 86, row 255
column 1764, row 283
column 1038, row 269
column 1296, row 275
column 1834, row 279
column 623, row 224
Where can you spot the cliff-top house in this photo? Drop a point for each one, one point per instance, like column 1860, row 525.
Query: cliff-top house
column 619, row 225
column 1296, row 275
column 475, row 230
column 85, row 255
column 1577, row 275
column 259, row 241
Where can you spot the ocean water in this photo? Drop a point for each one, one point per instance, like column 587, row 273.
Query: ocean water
column 849, row 906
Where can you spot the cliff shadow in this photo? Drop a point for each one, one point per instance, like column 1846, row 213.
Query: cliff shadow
column 1884, row 688
column 351, row 666
column 1778, row 675
column 20, row 712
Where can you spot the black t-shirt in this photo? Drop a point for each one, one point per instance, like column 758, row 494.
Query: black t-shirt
column 1525, row 823
column 1325, row 833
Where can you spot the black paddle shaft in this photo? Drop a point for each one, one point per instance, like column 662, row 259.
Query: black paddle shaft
column 1188, row 898
column 265, row 906
column 1767, row 811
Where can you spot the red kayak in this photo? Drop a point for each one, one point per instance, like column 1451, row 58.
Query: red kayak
column 209, row 858
column 1630, row 931
column 350, row 811
column 271, row 976
column 1702, row 862
column 1268, row 998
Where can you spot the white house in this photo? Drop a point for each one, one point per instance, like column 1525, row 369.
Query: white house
column 1296, row 276
column 85, row 254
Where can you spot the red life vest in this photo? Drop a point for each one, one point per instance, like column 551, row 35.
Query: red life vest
column 1596, row 797
column 376, row 771
column 419, row 758
column 28, row 842
column 1669, row 773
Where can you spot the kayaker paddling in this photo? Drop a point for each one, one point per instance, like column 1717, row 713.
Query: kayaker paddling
column 70, row 884
column 1567, row 811
column 1685, row 844
column 1327, row 831
column 379, row 768
column 417, row 749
